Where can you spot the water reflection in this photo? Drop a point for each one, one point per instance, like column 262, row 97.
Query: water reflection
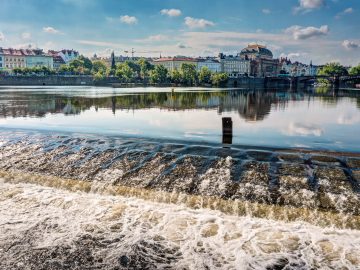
column 250, row 105
column 312, row 119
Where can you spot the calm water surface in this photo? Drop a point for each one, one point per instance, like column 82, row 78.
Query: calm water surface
column 308, row 119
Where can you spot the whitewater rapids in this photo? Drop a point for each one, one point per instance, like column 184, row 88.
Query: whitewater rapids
column 49, row 228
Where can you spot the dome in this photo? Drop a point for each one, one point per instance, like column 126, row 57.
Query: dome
column 256, row 51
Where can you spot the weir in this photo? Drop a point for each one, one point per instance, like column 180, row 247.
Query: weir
column 316, row 187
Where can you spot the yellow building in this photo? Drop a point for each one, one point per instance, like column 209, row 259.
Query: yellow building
column 13, row 58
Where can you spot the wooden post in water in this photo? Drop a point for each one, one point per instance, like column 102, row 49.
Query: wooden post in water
column 227, row 128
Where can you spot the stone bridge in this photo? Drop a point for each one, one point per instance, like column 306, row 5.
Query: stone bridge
column 294, row 82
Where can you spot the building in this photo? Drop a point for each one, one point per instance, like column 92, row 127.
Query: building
column 312, row 70
column 212, row 64
column 37, row 58
column 234, row 66
column 58, row 61
column 13, row 58
column 172, row 63
column 256, row 51
column 297, row 69
column 68, row 55
column 1, row 59
column 262, row 62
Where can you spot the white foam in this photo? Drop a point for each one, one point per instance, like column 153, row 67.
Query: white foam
column 205, row 238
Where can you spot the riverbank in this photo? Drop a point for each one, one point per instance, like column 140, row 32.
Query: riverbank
column 58, row 80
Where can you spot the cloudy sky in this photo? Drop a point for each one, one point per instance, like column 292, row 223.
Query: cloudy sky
column 303, row 30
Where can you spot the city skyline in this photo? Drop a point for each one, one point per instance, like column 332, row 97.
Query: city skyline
column 302, row 30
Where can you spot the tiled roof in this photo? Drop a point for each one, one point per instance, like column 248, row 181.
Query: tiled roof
column 12, row 52
column 22, row 52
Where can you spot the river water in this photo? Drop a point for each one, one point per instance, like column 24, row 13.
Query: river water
column 102, row 178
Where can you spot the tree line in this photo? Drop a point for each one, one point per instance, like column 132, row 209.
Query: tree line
column 336, row 69
column 141, row 71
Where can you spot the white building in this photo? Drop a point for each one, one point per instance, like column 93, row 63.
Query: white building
column 68, row 55
column 172, row 63
column 12, row 58
column 212, row 64
column 234, row 66
column 37, row 58
column 297, row 69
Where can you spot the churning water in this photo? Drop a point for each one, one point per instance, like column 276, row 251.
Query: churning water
column 70, row 200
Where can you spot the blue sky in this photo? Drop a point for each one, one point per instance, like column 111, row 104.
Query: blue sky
column 304, row 30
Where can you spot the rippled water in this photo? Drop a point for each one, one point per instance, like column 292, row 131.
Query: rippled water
column 94, row 178
column 306, row 119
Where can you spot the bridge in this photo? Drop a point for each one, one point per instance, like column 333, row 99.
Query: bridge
column 296, row 81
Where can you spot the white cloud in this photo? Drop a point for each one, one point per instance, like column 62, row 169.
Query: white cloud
column 24, row 46
column 197, row 23
column 171, row 12
column 309, row 5
column 266, row 11
column 2, row 37
column 302, row 129
column 128, row 19
column 293, row 55
column 344, row 12
column 154, row 38
column 299, row 32
column 348, row 11
column 97, row 43
column 350, row 45
column 50, row 30
column 26, row 36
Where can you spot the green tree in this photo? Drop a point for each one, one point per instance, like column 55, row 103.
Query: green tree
column 99, row 66
column 113, row 63
column 145, row 67
column 219, row 79
column 189, row 74
column 99, row 76
column 205, row 75
column 355, row 70
column 86, row 62
column 124, row 72
column 134, row 66
column 18, row 71
column 64, row 69
column 175, row 76
column 159, row 74
column 333, row 69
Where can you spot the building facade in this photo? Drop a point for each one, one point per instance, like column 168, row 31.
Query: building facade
column 213, row 65
column 234, row 66
column 172, row 63
column 13, row 58
column 1, row 59
column 37, row 58
column 57, row 59
column 297, row 69
column 262, row 62
column 68, row 55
